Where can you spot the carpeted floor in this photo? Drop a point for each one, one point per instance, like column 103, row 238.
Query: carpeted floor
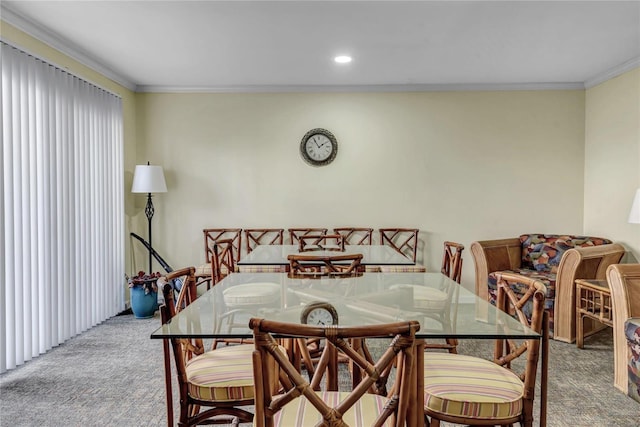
column 112, row 375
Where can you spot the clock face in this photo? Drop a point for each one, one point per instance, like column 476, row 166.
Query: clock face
column 319, row 314
column 319, row 147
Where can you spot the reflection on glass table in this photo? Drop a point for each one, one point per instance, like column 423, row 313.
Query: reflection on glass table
column 372, row 255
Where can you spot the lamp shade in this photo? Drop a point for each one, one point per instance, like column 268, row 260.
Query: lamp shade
column 634, row 215
column 148, row 179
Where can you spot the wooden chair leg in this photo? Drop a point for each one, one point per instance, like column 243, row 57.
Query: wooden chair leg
column 167, row 382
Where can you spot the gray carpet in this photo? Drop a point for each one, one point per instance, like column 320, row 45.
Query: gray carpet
column 112, row 375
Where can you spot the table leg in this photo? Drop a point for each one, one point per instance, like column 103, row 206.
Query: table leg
column 415, row 417
column 544, row 369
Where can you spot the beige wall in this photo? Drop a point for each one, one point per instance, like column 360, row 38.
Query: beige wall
column 460, row 166
column 612, row 160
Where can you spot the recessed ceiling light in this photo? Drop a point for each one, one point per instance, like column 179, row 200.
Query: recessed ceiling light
column 342, row 59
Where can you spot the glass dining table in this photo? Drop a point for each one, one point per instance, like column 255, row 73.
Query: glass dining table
column 370, row 298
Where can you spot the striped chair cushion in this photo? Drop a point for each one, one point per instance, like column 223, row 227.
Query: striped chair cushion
column 372, row 269
column 252, row 294
column 415, row 268
column 362, row 414
column 204, row 270
column 224, row 374
column 426, row 297
column 262, row 269
column 467, row 386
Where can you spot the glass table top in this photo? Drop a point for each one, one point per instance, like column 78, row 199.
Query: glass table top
column 371, row 254
column 443, row 307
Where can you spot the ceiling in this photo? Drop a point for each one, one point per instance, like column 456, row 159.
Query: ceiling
column 285, row 45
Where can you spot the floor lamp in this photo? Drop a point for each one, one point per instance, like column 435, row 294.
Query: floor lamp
column 149, row 179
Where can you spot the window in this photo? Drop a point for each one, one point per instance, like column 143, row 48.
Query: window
column 61, row 239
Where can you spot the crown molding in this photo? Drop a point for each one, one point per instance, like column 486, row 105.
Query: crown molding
column 612, row 72
column 471, row 87
column 62, row 45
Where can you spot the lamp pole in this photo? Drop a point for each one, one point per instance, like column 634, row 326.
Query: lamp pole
column 149, row 211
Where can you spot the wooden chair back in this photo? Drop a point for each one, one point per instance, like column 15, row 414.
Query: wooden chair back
column 355, row 235
column 222, row 259
column 183, row 350
column 403, row 240
column 452, row 260
column 263, row 236
column 294, row 233
column 530, row 311
column 269, row 402
column 320, row 242
column 194, row 410
column 315, row 266
column 213, row 234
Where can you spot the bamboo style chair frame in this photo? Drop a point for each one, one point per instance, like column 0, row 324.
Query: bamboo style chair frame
column 322, row 242
column 355, row 235
column 403, row 240
column 268, row 402
column 184, row 349
column 452, row 268
column 508, row 350
column 223, row 261
column 211, row 235
column 263, row 236
column 295, row 233
column 316, row 266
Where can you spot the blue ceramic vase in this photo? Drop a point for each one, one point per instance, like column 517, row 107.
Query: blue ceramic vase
column 143, row 305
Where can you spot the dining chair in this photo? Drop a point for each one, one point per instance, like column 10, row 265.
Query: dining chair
column 307, row 351
column 355, row 235
column 213, row 386
column 203, row 272
column 238, row 299
column 358, row 236
column 298, row 403
column 295, row 233
column 315, row 266
column 223, row 261
column 320, row 242
column 405, row 241
column 452, row 268
column 263, row 236
column 470, row 390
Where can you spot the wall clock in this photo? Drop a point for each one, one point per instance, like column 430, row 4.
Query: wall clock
column 319, row 313
column 318, row 147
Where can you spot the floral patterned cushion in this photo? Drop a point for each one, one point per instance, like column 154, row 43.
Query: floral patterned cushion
column 549, row 280
column 632, row 333
column 543, row 252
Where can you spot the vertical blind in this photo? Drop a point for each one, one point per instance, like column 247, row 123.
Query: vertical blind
column 62, row 207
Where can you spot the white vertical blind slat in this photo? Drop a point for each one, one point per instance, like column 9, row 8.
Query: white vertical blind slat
column 62, row 199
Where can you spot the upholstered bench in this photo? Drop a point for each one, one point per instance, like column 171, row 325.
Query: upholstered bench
column 556, row 260
column 624, row 282
column 632, row 333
